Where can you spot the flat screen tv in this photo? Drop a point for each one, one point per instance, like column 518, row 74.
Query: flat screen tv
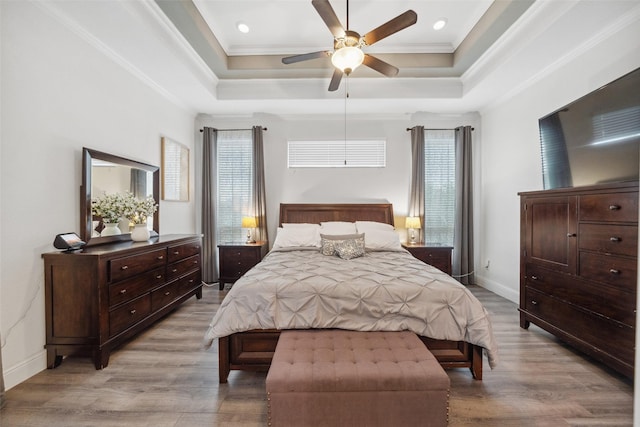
column 595, row 139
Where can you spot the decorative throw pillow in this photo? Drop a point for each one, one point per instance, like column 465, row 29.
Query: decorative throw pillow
column 351, row 248
column 328, row 242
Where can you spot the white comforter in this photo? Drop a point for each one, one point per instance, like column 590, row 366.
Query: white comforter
column 382, row 291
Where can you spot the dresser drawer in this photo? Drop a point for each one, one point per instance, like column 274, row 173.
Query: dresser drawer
column 179, row 268
column 616, row 271
column 622, row 207
column 615, row 303
column 185, row 250
column 614, row 239
column 439, row 257
column 165, row 295
column 128, row 289
column 129, row 314
column 607, row 336
column 190, row 282
column 121, row 268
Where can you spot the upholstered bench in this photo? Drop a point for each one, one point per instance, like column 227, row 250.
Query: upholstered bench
column 347, row 378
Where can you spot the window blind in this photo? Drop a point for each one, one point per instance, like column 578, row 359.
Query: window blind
column 235, row 183
column 440, row 189
column 335, row 154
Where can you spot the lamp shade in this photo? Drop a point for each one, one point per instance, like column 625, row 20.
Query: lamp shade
column 412, row 222
column 347, row 58
column 249, row 222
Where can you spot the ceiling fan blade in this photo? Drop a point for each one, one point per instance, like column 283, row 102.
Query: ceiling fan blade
column 305, row 57
column 380, row 66
column 335, row 80
column 329, row 17
column 398, row 23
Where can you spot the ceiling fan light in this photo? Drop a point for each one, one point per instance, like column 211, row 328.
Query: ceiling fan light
column 440, row 24
column 347, row 59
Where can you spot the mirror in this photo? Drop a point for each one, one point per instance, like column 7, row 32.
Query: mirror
column 106, row 173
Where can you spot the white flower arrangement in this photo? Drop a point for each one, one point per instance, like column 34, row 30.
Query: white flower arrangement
column 144, row 208
column 113, row 207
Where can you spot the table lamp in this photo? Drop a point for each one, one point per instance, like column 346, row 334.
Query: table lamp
column 249, row 222
column 412, row 223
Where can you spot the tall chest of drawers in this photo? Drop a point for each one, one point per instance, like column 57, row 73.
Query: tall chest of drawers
column 97, row 298
column 578, row 270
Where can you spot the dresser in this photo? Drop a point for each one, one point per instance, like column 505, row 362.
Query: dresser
column 101, row 296
column 237, row 258
column 437, row 256
column 578, row 268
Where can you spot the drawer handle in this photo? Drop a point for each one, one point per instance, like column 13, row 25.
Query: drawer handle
column 124, row 267
column 123, row 291
column 161, row 257
column 167, row 293
column 614, row 239
column 174, row 270
column 191, row 281
column 614, row 207
column 176, row 253
column 159, row 276
column 571, row 234
column 132, row 312
column 614, row 271
column 195, row 262
column 534, row 302
column 534, row 277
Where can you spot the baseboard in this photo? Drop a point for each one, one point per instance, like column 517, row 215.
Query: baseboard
column 498, row 288
column 25, row 369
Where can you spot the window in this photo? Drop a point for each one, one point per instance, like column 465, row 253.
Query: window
column 335, row 154
column 235, row 183
column 439, row 186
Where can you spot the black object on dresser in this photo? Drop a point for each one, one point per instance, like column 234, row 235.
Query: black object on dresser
column 98, row 297
column 237, row 258
column 437, row 256
column 578, row 268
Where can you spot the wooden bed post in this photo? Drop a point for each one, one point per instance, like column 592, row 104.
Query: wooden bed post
column 223, row 359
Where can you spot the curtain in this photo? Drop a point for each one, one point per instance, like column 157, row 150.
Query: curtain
column 209, row 253
column 463, row 263
column 416, row 198
column 138, row 185
column 259, row 193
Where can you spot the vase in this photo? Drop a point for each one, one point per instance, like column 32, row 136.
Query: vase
column 140, row 233
column 110, row 229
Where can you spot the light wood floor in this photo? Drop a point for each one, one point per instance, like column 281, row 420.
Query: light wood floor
column 165, row 377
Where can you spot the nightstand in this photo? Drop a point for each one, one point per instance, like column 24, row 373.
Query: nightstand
column 437, row 256
column 235, row 259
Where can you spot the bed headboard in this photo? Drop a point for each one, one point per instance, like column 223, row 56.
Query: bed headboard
column 317, row 213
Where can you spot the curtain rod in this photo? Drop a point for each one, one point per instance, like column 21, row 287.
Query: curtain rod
column 408, row 129
column 264, row 129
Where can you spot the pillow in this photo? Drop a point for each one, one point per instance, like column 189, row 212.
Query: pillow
column 297, row 237
column 338, row 227
column 350, row 248
column 328, row 241
column 300, row 225
column 382, row 240
column 364, row 226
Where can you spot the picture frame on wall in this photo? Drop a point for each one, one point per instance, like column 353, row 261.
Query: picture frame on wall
column 175, row 171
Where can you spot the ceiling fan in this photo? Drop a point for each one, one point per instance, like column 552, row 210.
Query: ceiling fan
column 347, row 44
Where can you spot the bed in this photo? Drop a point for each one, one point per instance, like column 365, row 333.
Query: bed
column 386, row 289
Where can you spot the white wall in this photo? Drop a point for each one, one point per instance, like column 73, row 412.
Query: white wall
column 59, row 93
column 510, row 157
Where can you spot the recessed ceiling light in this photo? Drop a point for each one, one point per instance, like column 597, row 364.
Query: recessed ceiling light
column 440, row 24
column 242, row 27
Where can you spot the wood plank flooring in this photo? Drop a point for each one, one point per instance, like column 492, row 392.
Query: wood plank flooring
column 165, row 377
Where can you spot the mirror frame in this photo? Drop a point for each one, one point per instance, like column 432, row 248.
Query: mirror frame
column 86, row 223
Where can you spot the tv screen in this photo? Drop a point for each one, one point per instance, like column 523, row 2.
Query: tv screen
column 595, row 139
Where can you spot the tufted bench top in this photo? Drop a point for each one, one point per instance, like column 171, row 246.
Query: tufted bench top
column 339, row 360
